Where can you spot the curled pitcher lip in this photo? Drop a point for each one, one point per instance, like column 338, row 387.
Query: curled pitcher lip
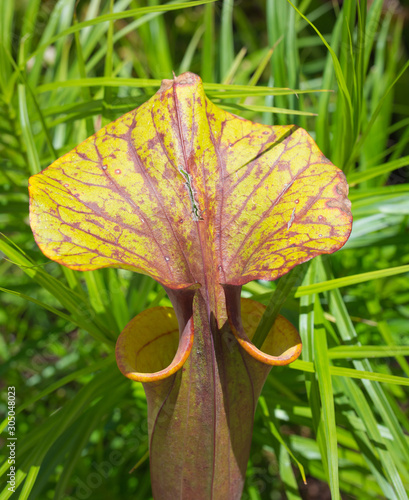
column 153, row 346
column 146, row 345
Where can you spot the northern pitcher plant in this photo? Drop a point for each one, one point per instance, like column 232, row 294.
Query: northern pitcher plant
column 204, row 202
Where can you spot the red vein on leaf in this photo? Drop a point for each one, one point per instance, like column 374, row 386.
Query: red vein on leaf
column 138, row 164
column 99, row 212
column 307, row 206
column 219, row 193
column 182, row 142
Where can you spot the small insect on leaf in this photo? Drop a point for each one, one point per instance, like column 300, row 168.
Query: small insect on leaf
column 196, row 212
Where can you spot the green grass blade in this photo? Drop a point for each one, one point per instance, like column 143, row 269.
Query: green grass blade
column 83, row 313
column 367, row 351
column 269, row 419
column 232, row 70
column 358, row 177
column 107, row 99
column 6, row 41
column 308, row 367
column 190, row 51
column 375, row 114
column 41, row 304
column 32, row 155
column 208, row 63
column 337, row 67
column 361, row 406
column 322, row 367
column 119, row 15
column 307, row 333
column 226, row 39
column 285, row 286
column 263, row 109
column 350, row 280
column 375, row 391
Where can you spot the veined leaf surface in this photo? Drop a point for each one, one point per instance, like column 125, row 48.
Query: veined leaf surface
column 180, row 189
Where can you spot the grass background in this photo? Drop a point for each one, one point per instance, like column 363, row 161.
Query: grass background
column 339, row 415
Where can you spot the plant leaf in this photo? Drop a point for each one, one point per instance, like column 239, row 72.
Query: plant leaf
column 204, row 405
column 180, row 190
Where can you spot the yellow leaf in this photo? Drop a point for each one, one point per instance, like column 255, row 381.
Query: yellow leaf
column 186, row 192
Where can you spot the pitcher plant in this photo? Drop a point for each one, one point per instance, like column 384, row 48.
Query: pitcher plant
column 202, row 201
